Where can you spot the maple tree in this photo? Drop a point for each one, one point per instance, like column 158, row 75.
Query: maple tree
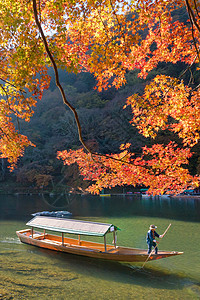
column 107, row 38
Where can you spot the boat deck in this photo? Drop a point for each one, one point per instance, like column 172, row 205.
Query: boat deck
column 68, row 242
column 56, row 240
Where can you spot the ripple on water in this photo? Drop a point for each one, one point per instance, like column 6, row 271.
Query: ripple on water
column 10, row 240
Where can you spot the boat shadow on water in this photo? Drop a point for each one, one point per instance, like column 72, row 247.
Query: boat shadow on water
column 149, row 276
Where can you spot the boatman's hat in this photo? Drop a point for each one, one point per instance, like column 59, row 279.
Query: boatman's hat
column 152, row 227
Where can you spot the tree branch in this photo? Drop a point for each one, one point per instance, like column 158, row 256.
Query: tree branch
column 193, row 23
column 4, row 80
column 57, row 77
column 63, row 93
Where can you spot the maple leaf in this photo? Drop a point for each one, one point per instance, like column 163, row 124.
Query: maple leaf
column 107, row 39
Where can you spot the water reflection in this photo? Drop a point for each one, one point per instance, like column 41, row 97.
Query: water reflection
column 21, row 206
column 113, row 271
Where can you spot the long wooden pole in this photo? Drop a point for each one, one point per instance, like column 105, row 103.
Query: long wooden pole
column 156, row 245
column 166, row 230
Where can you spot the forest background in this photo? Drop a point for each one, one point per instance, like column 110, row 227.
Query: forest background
column 105, row 126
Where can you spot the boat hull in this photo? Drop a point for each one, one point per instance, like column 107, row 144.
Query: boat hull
column 89, row 249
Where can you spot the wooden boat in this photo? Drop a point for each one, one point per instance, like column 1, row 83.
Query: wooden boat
column 81, row 247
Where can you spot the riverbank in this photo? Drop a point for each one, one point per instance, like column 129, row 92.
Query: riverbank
column 186, row 197
column 10, row 188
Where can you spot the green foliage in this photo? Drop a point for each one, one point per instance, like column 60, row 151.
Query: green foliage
column 89, row 100
column 132, row 78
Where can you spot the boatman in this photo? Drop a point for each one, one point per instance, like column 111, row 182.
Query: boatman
column 151, row 241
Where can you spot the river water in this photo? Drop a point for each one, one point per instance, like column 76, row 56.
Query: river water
column 28, row 272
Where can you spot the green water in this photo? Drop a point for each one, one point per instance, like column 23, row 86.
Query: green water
column 27, row 272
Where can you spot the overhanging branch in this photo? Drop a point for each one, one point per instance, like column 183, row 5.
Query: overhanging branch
column 57, row 77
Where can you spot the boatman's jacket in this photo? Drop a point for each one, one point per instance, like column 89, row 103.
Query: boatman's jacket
column 151, row 236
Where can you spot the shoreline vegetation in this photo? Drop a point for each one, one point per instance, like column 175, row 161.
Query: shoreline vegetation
column 10, row 189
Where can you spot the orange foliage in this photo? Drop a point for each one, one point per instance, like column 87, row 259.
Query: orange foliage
column 159, row 167
column 106, row 38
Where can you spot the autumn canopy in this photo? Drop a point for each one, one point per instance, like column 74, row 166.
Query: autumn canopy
column 107, row 38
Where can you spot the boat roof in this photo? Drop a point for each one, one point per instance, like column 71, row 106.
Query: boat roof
column 71, row 226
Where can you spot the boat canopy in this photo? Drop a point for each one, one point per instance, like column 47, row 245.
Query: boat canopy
column 72, row 226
